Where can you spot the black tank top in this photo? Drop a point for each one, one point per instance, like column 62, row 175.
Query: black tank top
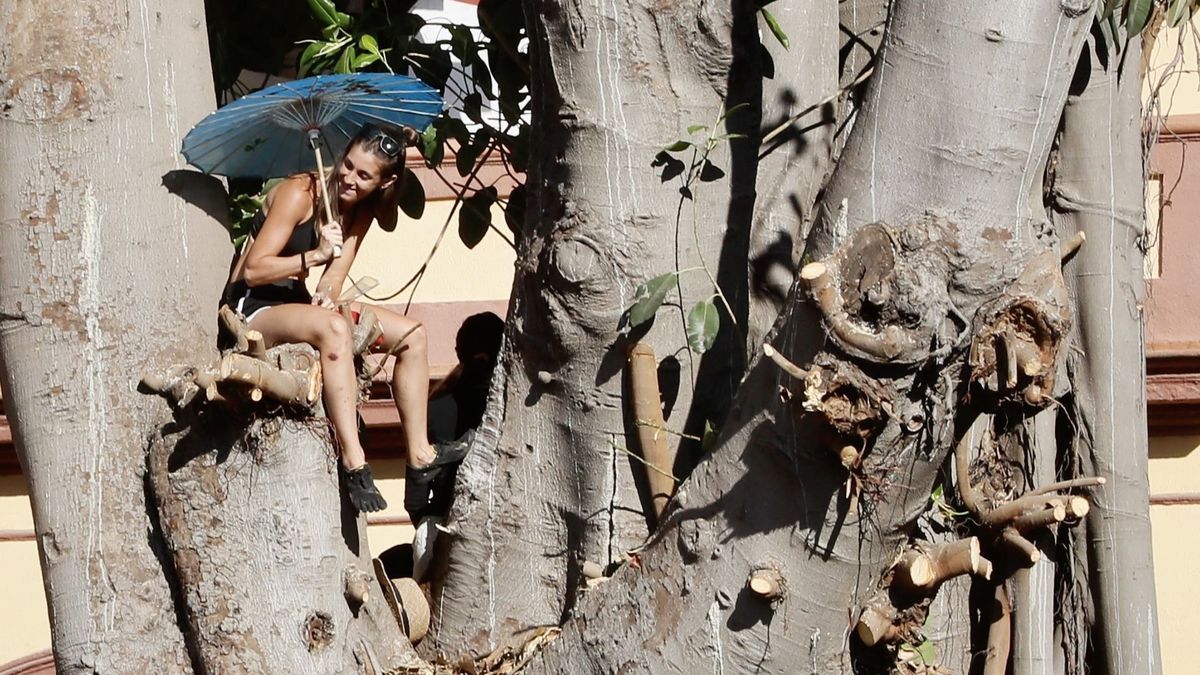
column 303, row 239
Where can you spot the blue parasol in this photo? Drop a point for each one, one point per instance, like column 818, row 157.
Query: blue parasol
column 298, row 126
column 272, row 132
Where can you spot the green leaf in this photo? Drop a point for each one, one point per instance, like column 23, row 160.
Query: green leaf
column 308, row 57
column 475, row 217
column 342, row 20
column 697, row 127
column 323, row 11
column 702, row 324
column 364, row 60
column 649, row 297
column 429, row 141
column 776, row 29
column 1137, row 13
column 411, row 198
column 928, row 652
column 1178, row 12
column 1109, row 7
column 368, row 44
column 709, row 440
column 345, row 62
column 678, row 146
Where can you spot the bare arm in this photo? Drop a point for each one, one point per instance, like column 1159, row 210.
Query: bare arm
column 335, row 273
column 290, row 205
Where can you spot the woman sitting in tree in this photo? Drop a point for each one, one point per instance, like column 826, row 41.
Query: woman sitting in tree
column 289, row 237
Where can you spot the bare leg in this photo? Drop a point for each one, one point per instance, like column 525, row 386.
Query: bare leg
column 330, row 334
column 410, row 379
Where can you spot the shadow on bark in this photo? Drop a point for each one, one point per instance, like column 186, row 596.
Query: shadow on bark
column 200, row 190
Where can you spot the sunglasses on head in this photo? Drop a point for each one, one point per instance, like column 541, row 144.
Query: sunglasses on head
column 387, row 145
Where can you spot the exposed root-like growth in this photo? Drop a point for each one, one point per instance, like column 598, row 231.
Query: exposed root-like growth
column 655, row 444
column 999, row 637
column 1016, row 350
column 877, row 624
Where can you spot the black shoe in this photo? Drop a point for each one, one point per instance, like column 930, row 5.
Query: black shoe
column 427, row 490
column 360, row 487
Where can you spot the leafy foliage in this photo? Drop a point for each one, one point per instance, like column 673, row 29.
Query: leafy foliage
column 243, row 208
column 702, row 325
column 1137, row 15
column 776, row 29
column 482, row 71
column 475, row 217
column 703, row 321
column 649, row 297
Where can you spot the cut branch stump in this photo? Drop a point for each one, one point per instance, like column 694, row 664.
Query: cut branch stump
column 767, row 583
column 920, row 572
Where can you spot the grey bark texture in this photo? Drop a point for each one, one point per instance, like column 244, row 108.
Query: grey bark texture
column 612, row 87
column 1098, row 190
column 930, row 229
column 860, row 24
column 1033, row 635
column 795, row 162
column 104, row 270
column 963, row 188
column 264, row 545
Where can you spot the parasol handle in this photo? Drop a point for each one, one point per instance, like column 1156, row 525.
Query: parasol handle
column 312, row 141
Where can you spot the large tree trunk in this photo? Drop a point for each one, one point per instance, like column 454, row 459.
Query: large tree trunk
column 104, row 270
column 107, row 276
column 965, row 242
column 935, row 274
column 553, row 480
column 273, row 565
column 1098, row 190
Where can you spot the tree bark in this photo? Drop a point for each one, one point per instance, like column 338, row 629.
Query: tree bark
column 861, row 25
column 1033, row 650
column 94, row 103
column 274, row 570
column 550, row 482
column 1097, row 190
column 797, row 158
column 771, row 491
